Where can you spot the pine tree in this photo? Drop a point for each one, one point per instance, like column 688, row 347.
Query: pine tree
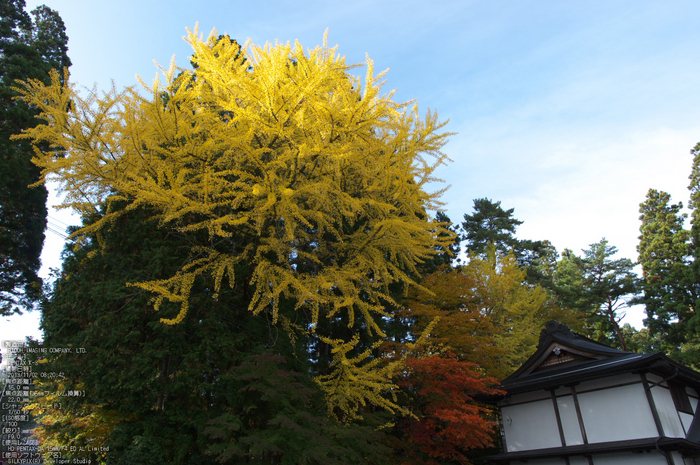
column 599, row 288
column 490, row 224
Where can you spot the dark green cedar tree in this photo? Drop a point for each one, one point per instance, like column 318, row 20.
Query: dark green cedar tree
column 223, row 386
column 664, row 254
column 29, row 49
column 668, row 253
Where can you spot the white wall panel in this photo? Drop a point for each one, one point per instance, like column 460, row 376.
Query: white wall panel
column 687, row 420
column 528, row 397
column 545, row 462
column 677, row 458
column 569, row 420
column 617, row 414
column 653, row 379
column 630, row 458
column 530, row 426
column 606, row 382
column 667, row 412
column 578, row 461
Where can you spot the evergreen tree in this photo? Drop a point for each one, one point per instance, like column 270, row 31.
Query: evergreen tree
column 694, row 205
column 669, row 256
column 664, row 253
column 668, row 253
column 223, row 385
column 490, row 224
column 29, row 49
column 599, row 287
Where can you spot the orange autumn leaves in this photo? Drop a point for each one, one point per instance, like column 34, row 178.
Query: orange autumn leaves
column 489, row 319
column 446, row 422
column 489, row 314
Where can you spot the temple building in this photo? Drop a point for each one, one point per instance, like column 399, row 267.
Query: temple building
column 578, row 402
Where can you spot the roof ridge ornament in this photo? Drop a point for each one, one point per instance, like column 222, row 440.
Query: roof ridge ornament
column 553, row 326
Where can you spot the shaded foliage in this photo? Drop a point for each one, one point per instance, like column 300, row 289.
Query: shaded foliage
column 184, row 394
column 29, row 49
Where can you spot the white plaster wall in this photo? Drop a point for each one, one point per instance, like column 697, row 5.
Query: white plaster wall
column 630, row 458
column 530, row 426
column 543, row 462
column 617, row 414
column 653, row 379
column 677, row 458
column 569, row 420
column 609, row 381
column 528, row 396
column 687, row 420
column 667, row 412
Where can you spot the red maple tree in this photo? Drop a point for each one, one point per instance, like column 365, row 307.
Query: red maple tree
column 448, row 422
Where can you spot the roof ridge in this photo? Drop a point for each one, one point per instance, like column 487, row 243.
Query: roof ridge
column 555, row 330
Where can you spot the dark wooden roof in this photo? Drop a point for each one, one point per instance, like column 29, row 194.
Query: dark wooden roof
column 565, row 357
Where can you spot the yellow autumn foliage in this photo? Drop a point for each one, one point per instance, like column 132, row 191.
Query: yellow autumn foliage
column 80, row 431
column 286, row 161
column 516, row 309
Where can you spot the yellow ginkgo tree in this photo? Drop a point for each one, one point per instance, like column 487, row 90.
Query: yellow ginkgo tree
column 273, row 157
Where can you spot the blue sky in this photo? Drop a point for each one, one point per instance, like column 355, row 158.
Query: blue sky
column 566, row 111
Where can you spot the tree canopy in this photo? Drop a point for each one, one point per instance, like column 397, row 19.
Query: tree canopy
column 29, row 48
column 668, row 253
column 267, row 156
column 223, row 385
column 600, row 287
column 490, row 224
